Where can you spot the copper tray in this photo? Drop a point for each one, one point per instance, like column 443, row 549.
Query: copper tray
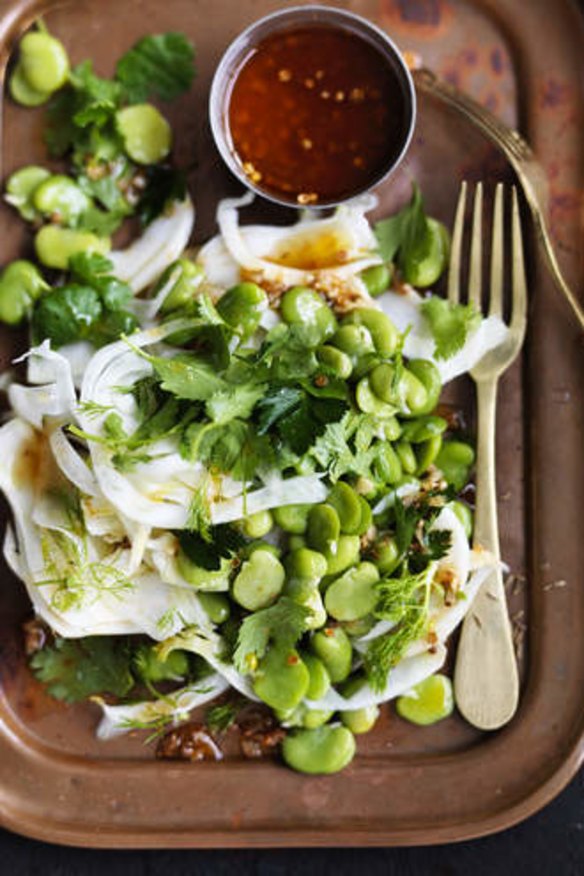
column 408, row 785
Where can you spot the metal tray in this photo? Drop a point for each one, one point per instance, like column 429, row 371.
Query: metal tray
column 408, row 785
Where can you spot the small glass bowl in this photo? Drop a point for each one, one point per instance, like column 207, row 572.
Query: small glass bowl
column 286, row 19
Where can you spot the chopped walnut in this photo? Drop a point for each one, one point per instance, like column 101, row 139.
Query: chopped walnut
column 260, row 733
column 188, row 742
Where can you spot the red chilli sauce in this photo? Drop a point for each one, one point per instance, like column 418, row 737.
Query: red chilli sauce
column 316, row 114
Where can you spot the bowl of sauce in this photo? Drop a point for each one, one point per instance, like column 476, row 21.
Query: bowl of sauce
column 311, row 106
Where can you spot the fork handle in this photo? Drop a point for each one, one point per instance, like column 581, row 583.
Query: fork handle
column 486, row 681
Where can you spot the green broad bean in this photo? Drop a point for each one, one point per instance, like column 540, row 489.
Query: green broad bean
column 364, row 365
column 292, row 518
column 386, row 554
column 146, row 134
column 339, row 363
column 358, row 720
column 242, row 307
column 151, row 668
column 382, row 380
column 314, row 718
column 60, row 196
column 359, row 627
column 455, row 461
column 319, row 679
column 21, row 186
column 306, row 565
column 423, row 428
column 370, row 403
column 54, row 245
column 366, row 517
column 281, row 679
column 423, row 265
column 429, row 377
column 353, row 595
column 464, row 514
column 347, row 554
column 217, row 607
column 413, row 392
column 391, row 428
column 259, row 581
column 43, row 61
column 323, row 750
column 333, row 646
column 23, row 93
column 376, row 279
column 346, row 503
column 203, row 579
column 21, row 283
column 426, row 453
column 428, row 702
column 303, row 306
column 387, row 465
column 304, row 717
column 324, row 528
column 354, row 340
column 186, row 277
column 317, row 618
column 257, row 525
column 406, row 456
column 295, row 542
column 383, row 332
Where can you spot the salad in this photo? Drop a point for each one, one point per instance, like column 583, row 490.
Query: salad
column 231, row 480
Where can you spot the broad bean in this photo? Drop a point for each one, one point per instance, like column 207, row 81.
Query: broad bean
column 242, row 307
column 339, row 363
column 423, row 265
column 259, row 582
column 455, row 461
column 281, row 678
column 186, row 277
column 43, row 61
column 428, row 702
column 333, row 647
column 346, row 555
column 353, row 595
column 376, row 279
column 21, row 186
column 55, row 245
column 21, row 283
column 216, row 605
column 292, row 518
column 320, row 680
column 426, row 453
column 324, row 528
column 347, row 504
column 203, row 579
column 302, row 306
column 429, row 377
column 60, row 196
column 323, row 750
column 146, row 134
column 383, row 332
column 464, row 514
column 358, row 720
column 257, row 525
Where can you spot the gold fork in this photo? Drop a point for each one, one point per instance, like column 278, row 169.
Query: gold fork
column 485, row 680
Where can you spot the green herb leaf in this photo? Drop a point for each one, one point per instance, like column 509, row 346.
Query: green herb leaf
column 75, row 669
column 234, row 402
column 225, row 542
column 282, row 623
column 404, row 233
column 160, row 64
column 450, row 324
column 187, row 377
column 278, row 402
column 165, row 185
column 96, row 99
column 220, row 718
column 66, row 314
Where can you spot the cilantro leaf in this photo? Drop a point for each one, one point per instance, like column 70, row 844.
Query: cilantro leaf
column 95, row 270
column 161, row 64
column 165, row 185
column 216, row 446
column 277, row 403
column 66, row 314
column 236, row 401
column 406, row 230
column 282, row 623
column 225, row 542
column 449, row 323
column 86, row 266
column 96, row 99
column 75, row 669
column 186, row 377
column 220, row 718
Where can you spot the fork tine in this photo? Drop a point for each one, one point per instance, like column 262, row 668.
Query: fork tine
column 476, row 247
column 519, row 304
column 455, row 252
column 496, row 298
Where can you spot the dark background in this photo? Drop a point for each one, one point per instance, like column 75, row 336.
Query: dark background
column 552, row 841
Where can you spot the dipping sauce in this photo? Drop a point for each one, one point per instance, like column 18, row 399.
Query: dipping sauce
column 316, row 114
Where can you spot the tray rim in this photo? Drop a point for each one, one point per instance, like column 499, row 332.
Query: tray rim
column 15, row 19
